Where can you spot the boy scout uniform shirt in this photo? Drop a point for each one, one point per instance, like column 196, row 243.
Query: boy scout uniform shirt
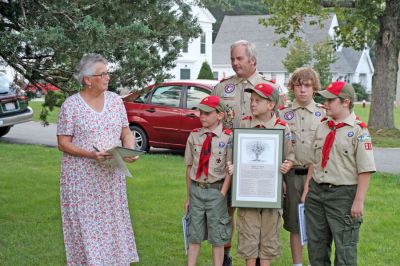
column 221, row 152
column 274, row 122
column 351, row 153
column 302, row 121
column 231, row 91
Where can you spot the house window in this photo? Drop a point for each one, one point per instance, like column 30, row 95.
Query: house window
column 185, row 47
column 185, row 73
column 286, row 78
column 215, row 74
column 203, row 43
column 363, row 80
column 273, row 76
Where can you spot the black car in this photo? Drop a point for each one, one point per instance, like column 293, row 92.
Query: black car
column 14, row 107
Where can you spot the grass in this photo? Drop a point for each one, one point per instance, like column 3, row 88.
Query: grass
column 37, row 109
column 30, row 219
column 382, row 138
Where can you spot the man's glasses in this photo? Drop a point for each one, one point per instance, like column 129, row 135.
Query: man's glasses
column 102, row 75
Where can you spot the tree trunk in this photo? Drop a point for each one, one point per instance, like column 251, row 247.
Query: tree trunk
column 398, row 86
column 386, row 66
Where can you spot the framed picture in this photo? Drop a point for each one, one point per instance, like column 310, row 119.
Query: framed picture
column 257, row 157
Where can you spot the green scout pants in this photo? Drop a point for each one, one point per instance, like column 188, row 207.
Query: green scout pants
column 328, row 217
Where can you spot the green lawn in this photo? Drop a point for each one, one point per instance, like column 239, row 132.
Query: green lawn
column 381, row 138
column 30, row 221
column 37, row 109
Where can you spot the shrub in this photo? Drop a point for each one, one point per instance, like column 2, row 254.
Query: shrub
column 361, row 94
column 205, row 71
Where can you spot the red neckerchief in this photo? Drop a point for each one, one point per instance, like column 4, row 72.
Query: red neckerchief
column 205, row 156
column 330, row 138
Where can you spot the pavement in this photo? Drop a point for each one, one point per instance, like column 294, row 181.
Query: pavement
column 386, row 159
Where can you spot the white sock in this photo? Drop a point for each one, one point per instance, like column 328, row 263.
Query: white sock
column 297, row 264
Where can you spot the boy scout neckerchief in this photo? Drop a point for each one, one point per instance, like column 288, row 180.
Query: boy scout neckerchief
column 330, row 138
column 205, row 156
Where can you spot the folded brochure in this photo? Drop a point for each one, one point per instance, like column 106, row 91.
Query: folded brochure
column 117, row 161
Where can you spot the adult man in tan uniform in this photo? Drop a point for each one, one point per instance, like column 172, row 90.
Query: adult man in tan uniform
column 343, row 163
column 303, row 116
column 231, row 91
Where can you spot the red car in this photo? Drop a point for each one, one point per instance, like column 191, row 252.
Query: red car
column 40, row 88
column 163, row 115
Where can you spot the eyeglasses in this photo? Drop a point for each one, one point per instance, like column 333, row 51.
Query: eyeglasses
column 102, row 75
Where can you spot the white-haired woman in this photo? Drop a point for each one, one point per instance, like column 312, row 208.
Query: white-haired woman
column 95, row 215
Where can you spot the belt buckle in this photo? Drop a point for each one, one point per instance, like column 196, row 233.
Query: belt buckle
column 202, row 185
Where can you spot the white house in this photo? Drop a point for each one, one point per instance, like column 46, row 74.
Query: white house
column 351, row 66
column 198, row 50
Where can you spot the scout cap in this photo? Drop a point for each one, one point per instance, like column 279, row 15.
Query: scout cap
column 266, row 91
column 211, row 103
column 338, row 89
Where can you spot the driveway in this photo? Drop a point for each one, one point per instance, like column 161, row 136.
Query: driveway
column 386, row 159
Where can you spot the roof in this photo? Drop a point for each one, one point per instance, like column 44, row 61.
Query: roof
column 270, row 57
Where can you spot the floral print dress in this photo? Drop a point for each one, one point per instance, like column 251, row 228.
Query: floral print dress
column 96, row 223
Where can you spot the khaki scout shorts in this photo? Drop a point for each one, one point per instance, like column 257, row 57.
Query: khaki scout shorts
column 258, row 233
column 208, row 215
column 294, row 190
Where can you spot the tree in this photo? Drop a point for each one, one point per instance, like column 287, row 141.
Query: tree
column 299, row 55
column 205, row 71
column 45, row 39
column 360, row 22
column 324, row 55
column 233, row 8
column 320, row 58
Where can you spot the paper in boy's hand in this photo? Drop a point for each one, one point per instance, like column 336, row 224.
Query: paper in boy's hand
column 302, row 224
column 185, row 220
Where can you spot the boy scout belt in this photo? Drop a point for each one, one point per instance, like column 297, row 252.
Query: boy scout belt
column 216, row 185
column 300, row 171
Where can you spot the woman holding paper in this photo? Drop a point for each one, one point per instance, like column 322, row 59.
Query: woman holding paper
column 96, row 223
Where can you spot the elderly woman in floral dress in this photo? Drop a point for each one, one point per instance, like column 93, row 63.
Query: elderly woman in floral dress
column 95, row 215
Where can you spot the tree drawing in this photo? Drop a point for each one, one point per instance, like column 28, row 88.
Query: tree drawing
column 256, row 148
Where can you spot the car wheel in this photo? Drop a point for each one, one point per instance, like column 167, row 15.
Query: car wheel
column 38, row 93
column 4, row 130
column 142, row 142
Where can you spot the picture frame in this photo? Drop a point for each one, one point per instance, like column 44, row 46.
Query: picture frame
column 257, row 157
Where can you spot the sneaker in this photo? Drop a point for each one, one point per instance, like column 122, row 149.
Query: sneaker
column 227, row 260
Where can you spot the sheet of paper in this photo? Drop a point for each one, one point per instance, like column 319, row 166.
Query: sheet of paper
column 185, row 219
column 302, row 224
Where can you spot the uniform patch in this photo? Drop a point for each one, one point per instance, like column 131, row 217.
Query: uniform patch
column 289, row 115
column 218, row 160
column 364, row 137
column 221, row 144
column 229, row 90
column 288, row 136
column 350, row 134
column 317, row 113
column 368, row 146
column 293, row 138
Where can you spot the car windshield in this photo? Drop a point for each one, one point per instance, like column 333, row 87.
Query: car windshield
column 4, row 84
